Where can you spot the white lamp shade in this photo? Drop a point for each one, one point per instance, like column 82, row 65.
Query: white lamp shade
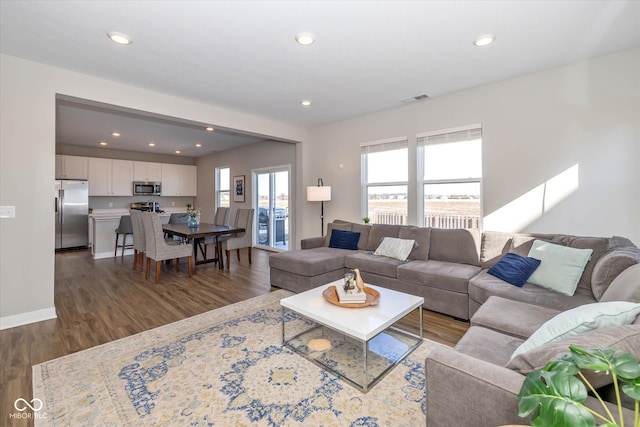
column 318, row 194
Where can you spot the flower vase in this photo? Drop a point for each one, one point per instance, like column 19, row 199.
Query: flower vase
column 193, row 222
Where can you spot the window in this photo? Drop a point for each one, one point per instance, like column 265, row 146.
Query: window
column 223, row 185
column 385, row 181
column 450, row 177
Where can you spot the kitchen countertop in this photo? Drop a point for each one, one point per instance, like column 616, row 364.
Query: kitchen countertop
column 103, row 223
column 104, row 214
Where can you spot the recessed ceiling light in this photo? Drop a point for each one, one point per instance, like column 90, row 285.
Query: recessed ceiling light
column 115, row 134
column 119, row 38
column 151, row 144
column 484, row 40
column 305, row 103
column 103, row 143
column 177, row 151
column 198, row 145
column 305, row 39
column 210, row 129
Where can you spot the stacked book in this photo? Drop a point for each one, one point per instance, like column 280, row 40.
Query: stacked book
column 351, row 295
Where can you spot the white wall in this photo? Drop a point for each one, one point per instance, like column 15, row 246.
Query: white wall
column 27, row 162
column 535, row 127
column 242, row 161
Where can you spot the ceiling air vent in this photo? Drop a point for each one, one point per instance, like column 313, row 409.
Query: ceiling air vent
column 415, row 99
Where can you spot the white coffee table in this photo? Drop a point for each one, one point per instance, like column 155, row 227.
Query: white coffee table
column 365, row 344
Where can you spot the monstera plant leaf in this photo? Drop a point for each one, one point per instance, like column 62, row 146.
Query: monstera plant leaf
column 624, row 365
column 554, row 397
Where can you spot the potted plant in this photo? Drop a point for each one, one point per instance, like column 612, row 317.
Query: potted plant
column 193, row 215
column 366, row 219
column 555, row 394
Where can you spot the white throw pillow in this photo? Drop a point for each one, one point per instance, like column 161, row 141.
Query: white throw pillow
column 581, row 319
column 395, row 248
column 561, row 266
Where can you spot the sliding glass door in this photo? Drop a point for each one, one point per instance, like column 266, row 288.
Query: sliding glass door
column 272, row 207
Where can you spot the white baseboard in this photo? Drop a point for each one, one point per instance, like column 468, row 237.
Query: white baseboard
column 26, row 318
column 101, row 255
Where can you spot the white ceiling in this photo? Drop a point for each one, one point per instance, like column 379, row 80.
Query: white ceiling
column 368, row 55
column 79, row 122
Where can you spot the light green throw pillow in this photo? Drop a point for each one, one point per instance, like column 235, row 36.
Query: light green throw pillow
column 581, row 319
column 561, row 266
column 395, row 248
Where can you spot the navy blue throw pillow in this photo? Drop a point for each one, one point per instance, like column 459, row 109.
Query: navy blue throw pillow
column 514, row 269
column 344, row 239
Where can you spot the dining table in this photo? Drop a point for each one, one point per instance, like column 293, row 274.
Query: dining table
column 197, row 235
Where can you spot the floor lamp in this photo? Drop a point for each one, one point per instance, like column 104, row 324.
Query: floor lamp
column 321, row 194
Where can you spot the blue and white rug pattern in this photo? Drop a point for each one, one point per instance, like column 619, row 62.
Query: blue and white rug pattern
column 226, row 367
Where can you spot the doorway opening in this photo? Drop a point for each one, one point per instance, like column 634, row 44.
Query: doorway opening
column 272, row 206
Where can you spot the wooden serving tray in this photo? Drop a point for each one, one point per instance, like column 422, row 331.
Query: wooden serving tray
column 373, row 298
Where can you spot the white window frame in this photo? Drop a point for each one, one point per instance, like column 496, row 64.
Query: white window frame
column 218, row 190
column 439, row 137
column 378, row 146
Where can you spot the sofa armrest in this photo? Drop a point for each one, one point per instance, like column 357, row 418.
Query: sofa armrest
column 465, row 391
column 312, row 242
column 609, row 266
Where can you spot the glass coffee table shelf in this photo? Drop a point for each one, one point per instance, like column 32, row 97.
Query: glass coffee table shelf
column 360, row 345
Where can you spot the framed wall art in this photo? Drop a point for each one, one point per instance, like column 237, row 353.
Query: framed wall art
column 238, row 188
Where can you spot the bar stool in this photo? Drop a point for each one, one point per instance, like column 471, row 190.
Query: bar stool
column 124, row 227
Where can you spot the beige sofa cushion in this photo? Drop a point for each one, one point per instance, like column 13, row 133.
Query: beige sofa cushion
column 484, row 285
column 455, row 245
column 381, row 265
column 494, row 245
column 422, row 236
column 438, row 274
column 364, row 230
column 504, row 315
column 378, row 231
column 488, row 345
column 521, row 243
column 310, row 262
column 598, row 245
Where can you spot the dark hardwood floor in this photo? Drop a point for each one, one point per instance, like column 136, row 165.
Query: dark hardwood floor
column 98, row 301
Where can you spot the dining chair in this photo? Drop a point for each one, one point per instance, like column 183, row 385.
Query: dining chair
column 139, row 240
column 223, row 217
column 244, row 219
column 178, row 218
column 158, row 249
column 125, row 228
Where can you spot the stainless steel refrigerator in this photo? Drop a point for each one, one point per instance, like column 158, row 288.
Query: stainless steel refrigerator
column 72, row 213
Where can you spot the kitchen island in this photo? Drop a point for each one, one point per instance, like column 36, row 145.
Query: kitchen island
column 102, row 227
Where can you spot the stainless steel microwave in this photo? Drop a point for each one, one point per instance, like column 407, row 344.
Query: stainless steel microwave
column 141, row 188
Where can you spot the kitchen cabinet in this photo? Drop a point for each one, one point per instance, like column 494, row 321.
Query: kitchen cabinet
column 71, row 167
column 179, row 180
column 147, row 171
column 110, row 177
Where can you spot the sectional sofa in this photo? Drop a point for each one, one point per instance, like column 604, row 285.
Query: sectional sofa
column 448, row 267
column 476, row 383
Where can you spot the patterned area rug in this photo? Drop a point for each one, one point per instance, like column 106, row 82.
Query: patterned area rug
column 226, row 367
